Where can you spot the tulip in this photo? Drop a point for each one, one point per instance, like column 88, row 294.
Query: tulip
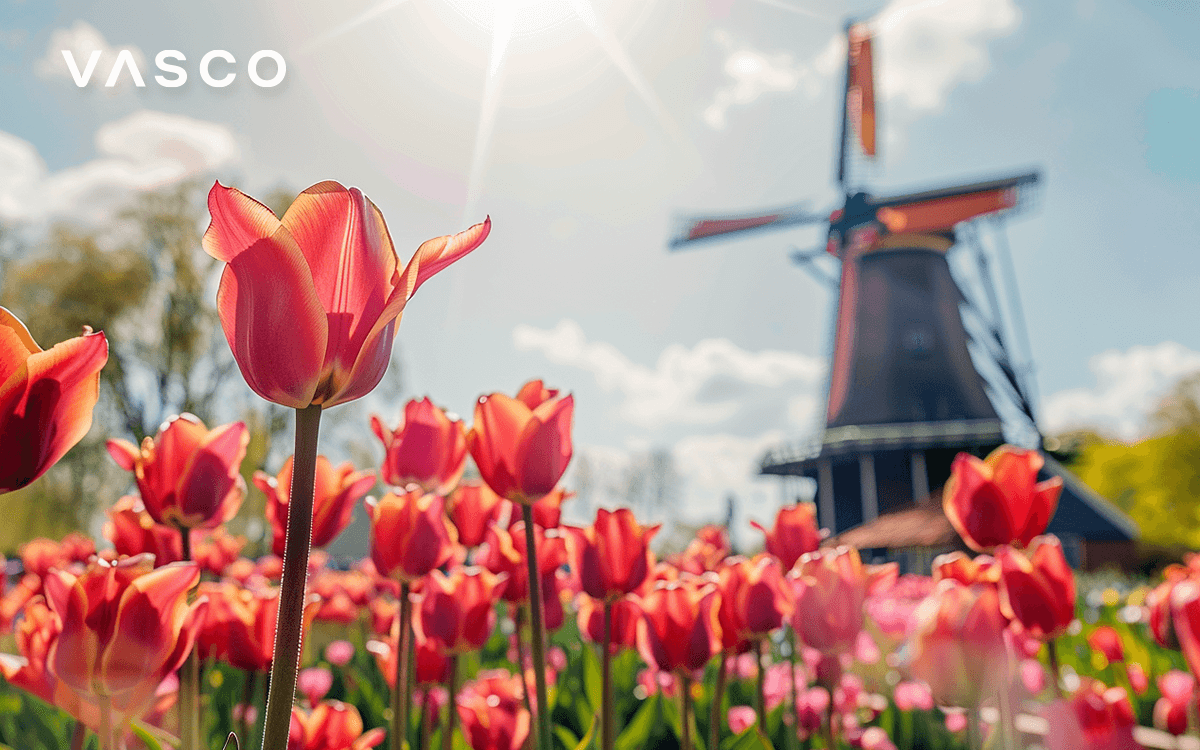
column 795, row 533
column 1158, row 605
column 491, row 712
column 431, row 665
column 830, row 587
column 125, row 627
column 339, row 653
column 310, row 303
column 133, row 532
column 1037, row 587
column 331, row 725
column 625, row 614
column 1171, row 710
column 965, row 569
column 956, row 644
column 410, row 535
column 187, row 475
column 216, row 550
column 612, row 557
column 239, row 628
column 46, row 398
column 36, row 633
column 1106, row 640
column 473, row 507
column 428, row 448
column 705, row 552
column 457, row 611
column 999, row 500
column 1185, row 618
column 1095, row 718
column 547, row 510
column 741, row 718
column 336, row 491
column 522, row 445
column 504, row 552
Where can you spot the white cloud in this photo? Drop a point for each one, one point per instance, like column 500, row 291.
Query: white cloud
column 1128, row 386
column 927, row 47
column 708, row 384
column 82, row 39
column 923, row 49
column 142, row 151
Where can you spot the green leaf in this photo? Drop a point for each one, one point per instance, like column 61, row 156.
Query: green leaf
column 151, row 741
column 641, row 728
column 593, row 683
column 751, row 739
column 589, row 739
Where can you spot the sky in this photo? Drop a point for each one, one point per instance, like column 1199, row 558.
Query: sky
column 586, row 128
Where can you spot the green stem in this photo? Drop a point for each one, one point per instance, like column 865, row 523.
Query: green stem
column 1055, row 675
column 715, row 711
column 401, row 694
column 685, row 715
column 289, row 624
column 451, row 706
column 974, row 729
column 248, row 687
column 761, row 686
column 518, row 631
column 189, row 681
column 607, row 734
column 537, row 632
column 427, row 721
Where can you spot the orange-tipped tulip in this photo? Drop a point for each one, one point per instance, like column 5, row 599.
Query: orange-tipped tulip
column 612, row 557
column 1037, row 587
column 125, row 627
column 133, row 532
column 428, row 448
column 458, row 611
column 999, row 500
column 188, row 475
column 46, row 398
column 522, row 445
column 332, row 725
column 473, row 507
column 410, row 535
column 956, row 644
column 965, row 569
column 310, row 303
column 795, row 533
column 337, row 490
column 679, row 628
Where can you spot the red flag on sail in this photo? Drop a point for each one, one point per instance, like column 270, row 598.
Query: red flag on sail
column 861, row 99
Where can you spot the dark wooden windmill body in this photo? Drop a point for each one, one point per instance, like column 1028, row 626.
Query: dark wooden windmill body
column 905, row 394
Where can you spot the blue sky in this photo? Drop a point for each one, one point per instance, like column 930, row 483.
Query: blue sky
column 602, row 121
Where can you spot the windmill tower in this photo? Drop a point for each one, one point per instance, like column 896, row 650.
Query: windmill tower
column 904, row 395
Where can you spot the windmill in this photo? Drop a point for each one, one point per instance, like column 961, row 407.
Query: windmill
column 905, row 394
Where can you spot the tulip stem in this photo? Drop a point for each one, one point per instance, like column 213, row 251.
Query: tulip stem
column 685, row 715
column 400, row 690
column 537, row 631
column 189, row 683
column 451, row 706
column 518, row 628
column 1055, row 674
column 78, row 735
column 289, row 623
column 974, row 729
column 607, row 735
column 247, row 702
column 761, row 684
column 716, row 707
column 793, row 698
column 427, row 721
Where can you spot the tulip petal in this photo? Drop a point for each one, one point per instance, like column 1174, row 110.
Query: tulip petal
column 274, row 322
column 545, row 447
column 499, row 422
column 238, row 222
column 211, row 475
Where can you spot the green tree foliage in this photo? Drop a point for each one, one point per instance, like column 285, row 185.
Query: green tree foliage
column 1155, row 480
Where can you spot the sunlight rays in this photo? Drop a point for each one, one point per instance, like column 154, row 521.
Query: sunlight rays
column 373, row 12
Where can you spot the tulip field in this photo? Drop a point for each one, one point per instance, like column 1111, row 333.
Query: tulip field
column 478, row 619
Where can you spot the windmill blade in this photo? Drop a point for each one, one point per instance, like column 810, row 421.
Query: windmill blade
column 694, row 229
column 940, row 210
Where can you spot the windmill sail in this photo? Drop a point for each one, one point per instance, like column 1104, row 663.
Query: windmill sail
column 696, row 228
column 860, row 98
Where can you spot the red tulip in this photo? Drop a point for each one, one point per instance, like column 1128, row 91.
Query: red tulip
column 428, row 448
column 965, row 569
column 611, row 557
column 310, row 303
column 999, row 500
column 133, row 532
column 1037, row 587
column 1106, row 640
column 795, row 533
column 1185, row 619
column 679, row 628
column 187, row 474
column 755, row 600
column 1095, row 718
column 337, row 490
column 410, row 535
column 331, row 725
column 46, row 398
column 216, row 550
column 40, row 556
column 547, row 511
column 956, row 644
column 125, row 627
column 458, row 611
column 522, row 445
column 706, row 552
column 491, row 712
column 625, row 616
column 504, row 552
column 473, row 507
column 1158, row 603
